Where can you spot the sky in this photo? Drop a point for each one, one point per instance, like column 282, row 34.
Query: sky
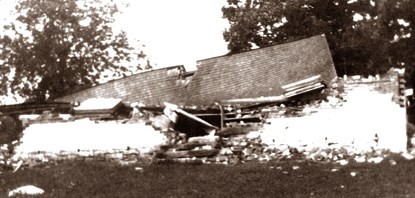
column 177, row 32
column 174, row 32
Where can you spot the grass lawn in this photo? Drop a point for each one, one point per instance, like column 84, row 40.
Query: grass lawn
column 271, row 179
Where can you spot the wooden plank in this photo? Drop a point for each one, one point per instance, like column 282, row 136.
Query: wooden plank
column 268, row 99
column 232, row 131
column 195, row 118
column 304, row 81
column 244, row 119
column 208, row 140
column 189, row 146
column 301, row 86
column 182, row 147
column 187, row 154
column 222, row 117
column 175, row 108
column 34, row 108
column 203, row 153
column 304, row 90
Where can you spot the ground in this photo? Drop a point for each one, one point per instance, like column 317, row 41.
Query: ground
column 286, row 178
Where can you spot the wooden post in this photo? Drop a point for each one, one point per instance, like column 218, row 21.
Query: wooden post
column 222, row 115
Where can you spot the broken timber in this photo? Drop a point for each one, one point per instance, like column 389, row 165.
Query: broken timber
column 101, row 108
column 36, row 108
column 187, row 154
column 303, row 86
column 290, row 90
column 176, row 109
column 269, row 99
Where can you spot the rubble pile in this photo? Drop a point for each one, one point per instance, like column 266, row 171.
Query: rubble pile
column 331, row 97
column 126, row 156
column 340, row 127
column 123, row 156
column 82, row 140
column 248, row 147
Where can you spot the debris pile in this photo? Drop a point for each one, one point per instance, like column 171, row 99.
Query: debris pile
column 85, row 140
column 329, row 126
column 340, row 127
column 241, row 146
column 193, row 149
column 236, row 145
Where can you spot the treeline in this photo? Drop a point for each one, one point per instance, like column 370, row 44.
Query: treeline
column 365, row 36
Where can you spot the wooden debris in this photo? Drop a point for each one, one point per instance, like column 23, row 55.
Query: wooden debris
column 303, row 86
column 183, row 147
column 175, row 108
column 302, row 83
column 36, row 108
column 207, row 140
column 232, row 131
column 269, row 99
column 244, row 119
column 304, row 90
column 190, row 146
column 188, row 154
column 101, row 108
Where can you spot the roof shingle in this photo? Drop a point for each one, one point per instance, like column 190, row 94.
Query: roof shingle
column 256, row 73
column 260, row 72
column 151, row 87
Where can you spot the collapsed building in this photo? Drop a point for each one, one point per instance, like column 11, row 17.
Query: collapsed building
column 201, row 98
column 260, row 76
column 257, row 73
column 222, row 91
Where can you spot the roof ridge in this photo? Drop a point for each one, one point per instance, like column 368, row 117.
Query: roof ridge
column 263, row 48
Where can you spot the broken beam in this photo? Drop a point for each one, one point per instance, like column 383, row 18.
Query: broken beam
column 298, row 84
column 178, row 110
column 304, row 90
column 268, row 99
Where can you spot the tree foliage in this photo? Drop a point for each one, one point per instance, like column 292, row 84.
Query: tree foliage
column 400, row 17
column 364, row 46
column 57, row 47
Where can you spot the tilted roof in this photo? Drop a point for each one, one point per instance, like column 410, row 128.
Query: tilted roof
column 150, row 87
column 260, row 72
column 256, row 73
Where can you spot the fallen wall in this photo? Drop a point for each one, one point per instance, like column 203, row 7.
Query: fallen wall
column 367, row 120
column 87, row 139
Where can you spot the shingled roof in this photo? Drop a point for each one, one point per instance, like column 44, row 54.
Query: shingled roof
column 256, row 73
column 151, row 88
column 260, row 72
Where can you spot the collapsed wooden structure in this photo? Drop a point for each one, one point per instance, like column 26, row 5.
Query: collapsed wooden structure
column 224, row 89
column 265, row 74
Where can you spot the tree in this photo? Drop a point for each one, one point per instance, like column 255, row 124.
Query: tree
column 57, row 47
column 354, row 44
column 400, row 19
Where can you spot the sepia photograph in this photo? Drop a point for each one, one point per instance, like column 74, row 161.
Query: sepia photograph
column 207, row 98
